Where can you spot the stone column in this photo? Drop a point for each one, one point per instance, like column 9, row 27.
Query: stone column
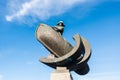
column 61, row 73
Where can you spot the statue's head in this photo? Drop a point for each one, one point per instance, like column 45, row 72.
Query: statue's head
column 60, row 23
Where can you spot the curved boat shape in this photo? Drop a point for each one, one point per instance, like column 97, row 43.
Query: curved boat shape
column 66, row 59
column 52, row 40
column 74, row 58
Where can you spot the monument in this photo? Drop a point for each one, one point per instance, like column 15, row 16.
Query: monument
column 63, row 56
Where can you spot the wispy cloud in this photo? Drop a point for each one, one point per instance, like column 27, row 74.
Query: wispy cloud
column 39, row 9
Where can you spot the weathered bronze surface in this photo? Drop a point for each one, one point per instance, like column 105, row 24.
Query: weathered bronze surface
column 63, row 54
column 53, row 41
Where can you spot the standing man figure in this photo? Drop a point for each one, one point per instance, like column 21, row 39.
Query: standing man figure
column 60, row 27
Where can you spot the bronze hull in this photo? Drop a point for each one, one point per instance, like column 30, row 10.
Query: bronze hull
column 74, row 58
column 52, row 40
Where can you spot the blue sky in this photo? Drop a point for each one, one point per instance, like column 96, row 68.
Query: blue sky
column 97, row 21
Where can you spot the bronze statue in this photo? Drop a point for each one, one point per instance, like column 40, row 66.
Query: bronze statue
column 60, row 27
column 62, row 53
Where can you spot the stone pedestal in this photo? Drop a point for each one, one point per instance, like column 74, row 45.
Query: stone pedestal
column 61, row 73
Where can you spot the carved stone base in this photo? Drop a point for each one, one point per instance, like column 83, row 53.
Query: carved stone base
column 61, row 73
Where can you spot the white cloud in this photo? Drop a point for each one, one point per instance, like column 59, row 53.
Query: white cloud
column 40, row 9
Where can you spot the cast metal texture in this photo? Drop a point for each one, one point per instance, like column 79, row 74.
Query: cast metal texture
column 52, row 41
column 74, row 58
